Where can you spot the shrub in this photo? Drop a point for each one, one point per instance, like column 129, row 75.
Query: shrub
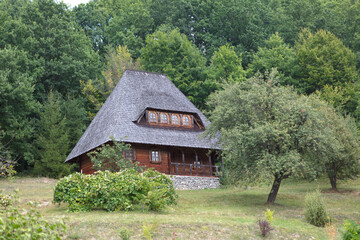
column 115, row 191
column 265, row 227
column 125, row 234
column 315, row 213
column 26, row 224
column 269, row 215
column 149, row 230
column 351, row 230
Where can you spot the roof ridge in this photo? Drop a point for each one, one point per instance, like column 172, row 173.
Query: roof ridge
column 142, row 71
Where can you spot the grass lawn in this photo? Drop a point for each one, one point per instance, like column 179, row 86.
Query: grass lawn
column 230, row 213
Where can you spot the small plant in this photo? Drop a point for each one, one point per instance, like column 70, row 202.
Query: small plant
column 351, row 230
column 26, row 224
column 315, row 213
column 7, row 200
column 265, row 227
column 268, row 214
column 125, row 234
column 331, row 229
column 149, row 230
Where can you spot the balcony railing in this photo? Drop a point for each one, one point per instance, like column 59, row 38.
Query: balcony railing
column 195, row 169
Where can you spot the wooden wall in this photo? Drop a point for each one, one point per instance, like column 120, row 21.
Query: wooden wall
column 168, row 155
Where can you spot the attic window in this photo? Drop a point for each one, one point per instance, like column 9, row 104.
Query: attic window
column 164, row 118
column 152, row 117
column 175, row 119
column 155, row 156
column 186, row 120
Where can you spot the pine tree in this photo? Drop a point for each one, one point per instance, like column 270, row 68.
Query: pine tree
column 52, row 140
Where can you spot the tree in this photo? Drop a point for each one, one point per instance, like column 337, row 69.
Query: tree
column 17, row 104
column 97, row 90
column 335, row 141
column 111, row 157
column 52, row 140
column 60, row 53
column 323, row 60
column 76, row 119
column 262, row 129
column 170, row 52
column 225, row 65
column 130, row 26
column 275, row 54
column 94, row 19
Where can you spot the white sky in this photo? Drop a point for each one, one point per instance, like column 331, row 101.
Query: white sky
column 74, row 3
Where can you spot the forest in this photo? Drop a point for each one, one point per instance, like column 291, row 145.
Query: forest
column 58, row 65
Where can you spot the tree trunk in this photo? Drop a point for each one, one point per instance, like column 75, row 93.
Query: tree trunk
column 274, row 190
column 333, row 182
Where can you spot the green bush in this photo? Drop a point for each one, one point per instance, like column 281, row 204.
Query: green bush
column 315, row 213
column 115, row 191
column 351, row 230
column 26, row 224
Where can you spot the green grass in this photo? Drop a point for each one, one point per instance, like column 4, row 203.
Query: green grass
column 230, row 213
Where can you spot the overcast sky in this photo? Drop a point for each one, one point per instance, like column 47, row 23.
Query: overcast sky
column 74, row 3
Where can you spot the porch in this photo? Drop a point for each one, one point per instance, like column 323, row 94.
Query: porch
column 192, row 162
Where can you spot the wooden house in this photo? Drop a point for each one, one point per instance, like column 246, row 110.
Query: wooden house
column 163, row 127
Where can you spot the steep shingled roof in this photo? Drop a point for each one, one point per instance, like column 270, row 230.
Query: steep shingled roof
column 135, row 92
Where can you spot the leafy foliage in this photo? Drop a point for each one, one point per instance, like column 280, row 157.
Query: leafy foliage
column 324, row 59
column 170, row 52
column 262, row 130
column 115, row 191
column 225, row 65
column 111, row 157
column 269, row 215
column 25, row 224
column 315, row 212
column 97, row 90
column 52, row 140
column 275, row 54
column 17, row 103
column 351, row 230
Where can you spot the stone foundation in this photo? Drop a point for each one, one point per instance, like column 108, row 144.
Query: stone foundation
column 194, row 183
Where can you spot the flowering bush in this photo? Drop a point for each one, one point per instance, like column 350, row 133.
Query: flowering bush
column 351, row 230
column 115, row 191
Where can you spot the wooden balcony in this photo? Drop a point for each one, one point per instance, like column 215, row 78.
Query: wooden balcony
column 195, row 169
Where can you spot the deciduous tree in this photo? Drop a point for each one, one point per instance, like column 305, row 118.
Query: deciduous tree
column 170, row 52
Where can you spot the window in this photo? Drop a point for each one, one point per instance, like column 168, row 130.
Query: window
column 155, row 156
column 129, row 154
column 163, row 118
column 175, row 119
column 186, row 120
column 152, row 117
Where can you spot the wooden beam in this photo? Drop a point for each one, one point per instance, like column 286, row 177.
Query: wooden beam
column 210, row 165
column 183, row 160
column 169, row 163
column 196, row 163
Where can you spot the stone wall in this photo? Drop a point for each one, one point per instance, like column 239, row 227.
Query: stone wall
column 193, row 183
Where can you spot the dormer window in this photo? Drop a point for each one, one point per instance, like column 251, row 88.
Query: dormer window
column 186, row 120
column 164, row 118
column 175, row 119
column 152, row 117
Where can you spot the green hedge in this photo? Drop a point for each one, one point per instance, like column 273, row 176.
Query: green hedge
column 115, row 191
